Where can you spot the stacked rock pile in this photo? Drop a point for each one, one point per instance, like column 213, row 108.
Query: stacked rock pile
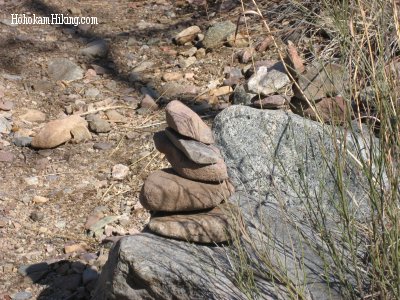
column 187, row 199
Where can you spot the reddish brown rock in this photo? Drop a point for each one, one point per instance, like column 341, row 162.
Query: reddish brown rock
column 330, row 110
column 246, row 55
column 33, row 115
column 60, row 131
column 221, row 91
column 172, row 76
column 265, row 44
column 6, row 105
column 187, row 35
column 164, row 190
column 206, row 227
column 237, row 40
column 6, row 156
column 186, row 122
column 148, row 103
column 185, row 167
column 273, row 101
column 320, row 81
column 294, row 61
column 196, row 151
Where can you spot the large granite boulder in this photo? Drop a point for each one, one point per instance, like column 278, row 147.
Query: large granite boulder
column 282, row 156
column 284, row 167
column 146, row 266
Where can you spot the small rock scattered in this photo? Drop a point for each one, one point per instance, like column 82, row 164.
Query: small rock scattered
column 273, row 101
column 200, row 53
column 190, row 52
column 92, row 93
column 221, row 91
column 319, row 81
column 265, row 44
column 60, row 131
column 6, row 156
column 75, row 248
column 6, row 105
column 172, row 76
column 246, row 55
column 33, row 115
column 233, row 76
column 187, row 35
column 120, row 171
column 238, row 41
column 37, row 216
column 148, row 103
column 240, row 96
column 174, row 89
column 102, row 146
column 95, row 49
column 64, row 69
column 98, row 125
column 328, row 110
column 267, row 81
column 143, row 66
column 187, row 62
column 114, row 116
column 22, row 296
column 22, row 141
column 5, row 125
column 217, row 34
column 40, row 199
column 294, row 61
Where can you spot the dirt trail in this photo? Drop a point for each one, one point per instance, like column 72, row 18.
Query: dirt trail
column 76, row 180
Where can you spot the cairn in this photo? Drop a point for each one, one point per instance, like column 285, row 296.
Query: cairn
column 188, row 200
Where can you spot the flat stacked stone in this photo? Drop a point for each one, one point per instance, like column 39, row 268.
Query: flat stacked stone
column 215, row 172
column 201, row 227
column 188, row 200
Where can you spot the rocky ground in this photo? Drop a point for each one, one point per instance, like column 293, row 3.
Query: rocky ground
column 64, row 199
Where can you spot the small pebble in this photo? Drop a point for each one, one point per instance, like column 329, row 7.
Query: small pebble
column 99, row 125
column 6, row 105
column 77, row 248
column 40, row 199
column 185, row 63
column 6, row 156
column 22, row 141
column 172, row 76
column 22, row 296
column 37, row 216
column 120, row 171
column 148, row 103
column 102, row 146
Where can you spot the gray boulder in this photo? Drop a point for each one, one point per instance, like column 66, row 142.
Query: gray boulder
column 283, row 166
column 146, row 266
column 281, row 155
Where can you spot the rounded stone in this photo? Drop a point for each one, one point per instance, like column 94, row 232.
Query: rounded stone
column 206, row 227
column 216, row 172
column 186, row 122
column 164, row 190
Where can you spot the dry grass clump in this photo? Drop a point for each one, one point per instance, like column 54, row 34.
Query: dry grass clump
column 363, row 36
